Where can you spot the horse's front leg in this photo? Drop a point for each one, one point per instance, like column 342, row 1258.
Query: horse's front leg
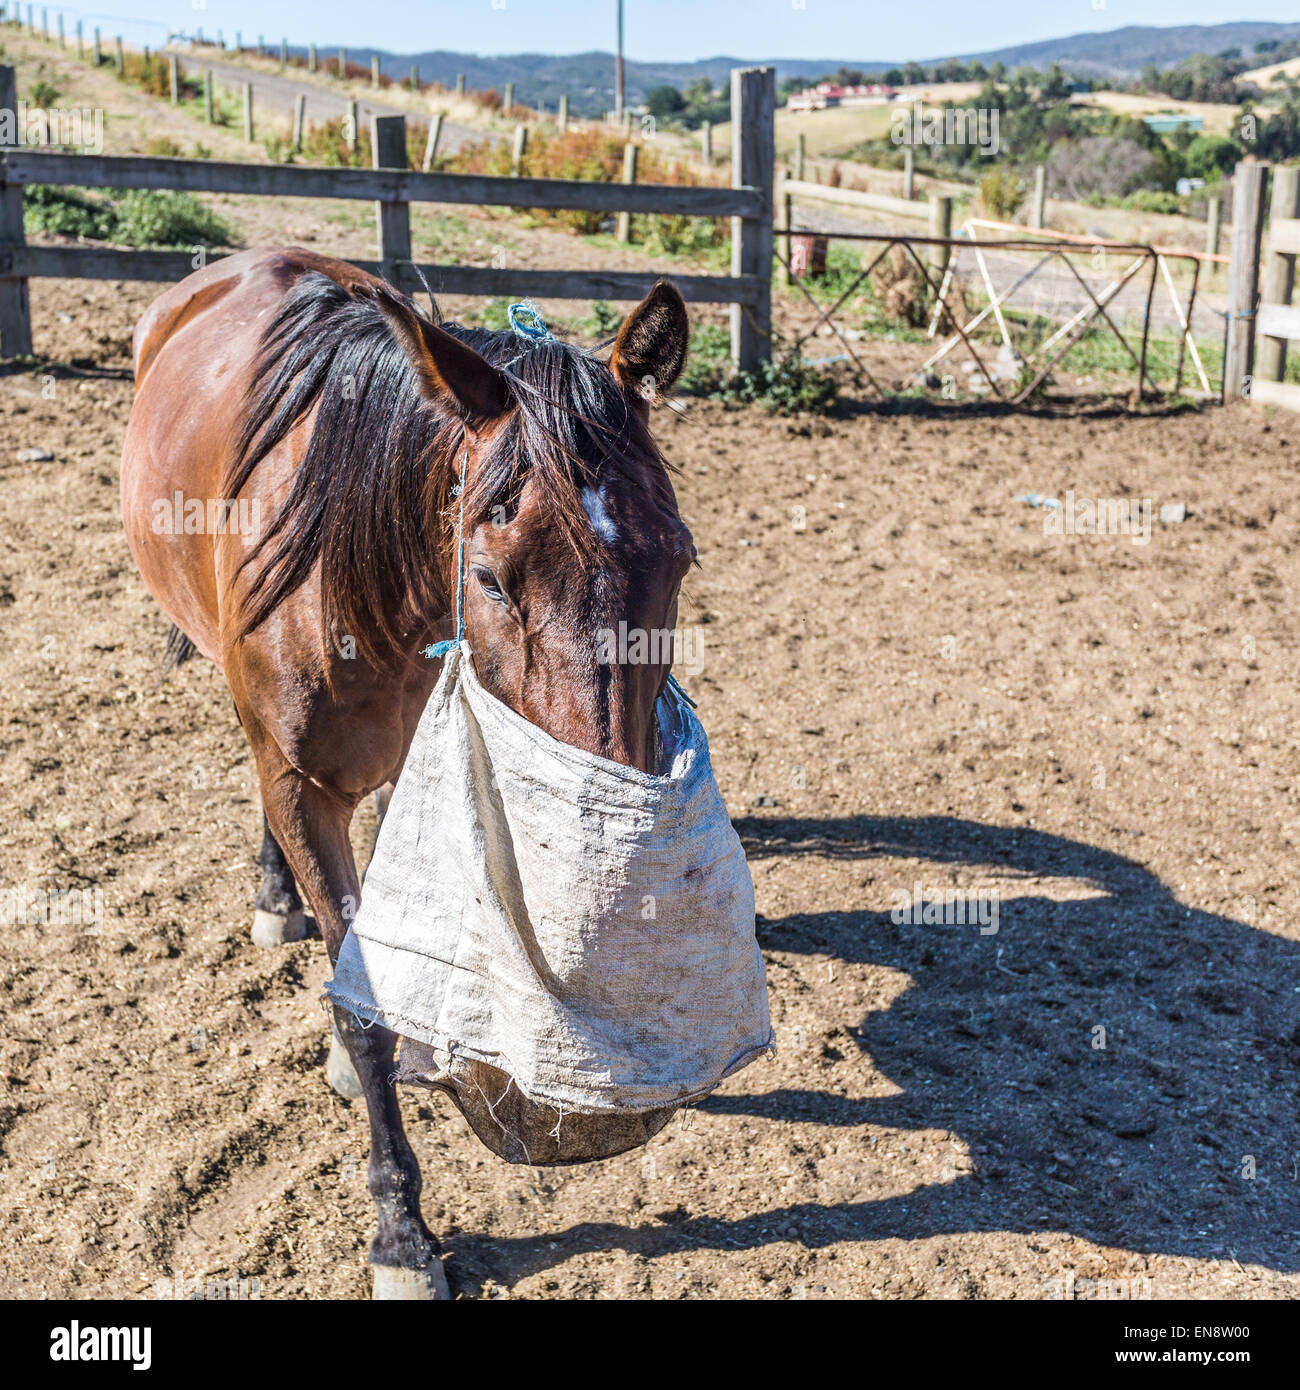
column 311, row 826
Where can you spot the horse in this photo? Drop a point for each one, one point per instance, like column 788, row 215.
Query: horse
column 304, row 448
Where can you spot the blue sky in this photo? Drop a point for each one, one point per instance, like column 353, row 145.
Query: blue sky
column 663, row 29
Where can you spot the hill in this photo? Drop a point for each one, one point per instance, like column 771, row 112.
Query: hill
column 588, row 78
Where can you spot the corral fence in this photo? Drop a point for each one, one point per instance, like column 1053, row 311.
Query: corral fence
column 1262, row 319
column 393, row 187
column 936, row 256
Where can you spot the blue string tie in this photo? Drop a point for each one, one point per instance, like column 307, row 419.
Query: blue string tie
column 526, row 320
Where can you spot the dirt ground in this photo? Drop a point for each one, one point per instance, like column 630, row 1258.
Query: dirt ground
column 906, row 682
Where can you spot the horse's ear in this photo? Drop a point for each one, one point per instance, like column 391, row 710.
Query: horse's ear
column 445, row 366
column 652, row 343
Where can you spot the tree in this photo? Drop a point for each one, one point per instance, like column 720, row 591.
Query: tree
column 665, row 102
column 1055, row 88
column 894, row 77
column 1279, row 138
column 700, row 92
column 1208, row 153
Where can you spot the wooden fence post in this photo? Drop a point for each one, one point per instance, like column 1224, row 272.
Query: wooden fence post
column 1249, row 190
column 753, row 163
column 800, row 153
column 706, row 144
column 940, row 225
column 909, row 173
column 299, row 119
column 352, row 126
column 431, row 144
column 248, row 111
column 343, row 62
column 785, row 221
column 415, row 77
column 460, row 84
column 63, row 42
column 508, row 98
column 374, row 70
column 81, row 41
column 388, row 151
column 174, row 77
column 119, row 56
column 1213, row 214
column 209, row 105
column 99, row 48
column 624, row 229
column 311, row 57
column 1038, row 212
column 1278, row 272
column 520, row 149
column 15, row 302
column 563, row 115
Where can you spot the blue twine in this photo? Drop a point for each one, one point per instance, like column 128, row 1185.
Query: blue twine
column 676, row 685
column 440, row 649
column 527, row 321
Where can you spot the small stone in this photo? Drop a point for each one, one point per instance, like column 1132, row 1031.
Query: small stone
column 1173, row 512
column 34, row 455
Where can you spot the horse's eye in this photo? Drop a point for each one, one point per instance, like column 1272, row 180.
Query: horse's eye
column 488, row 583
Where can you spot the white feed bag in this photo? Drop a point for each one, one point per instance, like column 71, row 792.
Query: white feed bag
column 586, row 928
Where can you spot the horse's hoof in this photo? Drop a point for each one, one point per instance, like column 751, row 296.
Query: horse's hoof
column 340, row 1072
column 427, row 1285
column 270, row 929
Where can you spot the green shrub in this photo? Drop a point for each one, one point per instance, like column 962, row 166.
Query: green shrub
column 496, row 315
column 1001, row 192
column 1152, row 200
column 157, row 217
column 604, row 320
column 66, row 212
column 279, row 150
column 787, row 385
column 137, row 218
column 44, row 93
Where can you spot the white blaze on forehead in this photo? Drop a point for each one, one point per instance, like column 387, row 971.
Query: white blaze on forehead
column 593, row 503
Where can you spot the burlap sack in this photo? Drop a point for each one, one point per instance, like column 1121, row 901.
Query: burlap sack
column 560, row 940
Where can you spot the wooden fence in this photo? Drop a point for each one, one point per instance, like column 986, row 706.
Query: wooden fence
column 393, row 188
column 1265, row 280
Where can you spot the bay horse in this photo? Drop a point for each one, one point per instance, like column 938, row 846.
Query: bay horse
column 297, row 393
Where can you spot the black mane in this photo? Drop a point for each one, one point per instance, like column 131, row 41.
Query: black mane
column 369, row 500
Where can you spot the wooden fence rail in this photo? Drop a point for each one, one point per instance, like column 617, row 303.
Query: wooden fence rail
column 748, row 203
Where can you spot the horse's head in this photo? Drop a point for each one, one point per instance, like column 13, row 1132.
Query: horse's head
column 574, row 548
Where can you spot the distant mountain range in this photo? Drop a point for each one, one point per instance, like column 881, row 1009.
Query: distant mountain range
column 588, row 78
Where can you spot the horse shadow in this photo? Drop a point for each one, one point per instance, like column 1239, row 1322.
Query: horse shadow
column 1172, row 1131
